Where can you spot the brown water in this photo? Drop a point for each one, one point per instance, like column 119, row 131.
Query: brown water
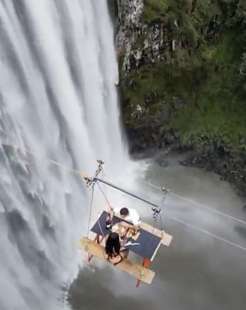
column 198, row 271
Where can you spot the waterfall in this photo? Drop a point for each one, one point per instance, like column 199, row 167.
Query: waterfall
column 57, row 100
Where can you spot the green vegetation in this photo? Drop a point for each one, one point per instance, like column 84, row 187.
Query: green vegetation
column 217, row 109
column 208, row 74
column 156, row 9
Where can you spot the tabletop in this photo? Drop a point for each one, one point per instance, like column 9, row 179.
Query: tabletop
column 146, row 245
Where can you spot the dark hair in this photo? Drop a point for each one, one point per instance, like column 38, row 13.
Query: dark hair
column 124, row 211
column 112, row 246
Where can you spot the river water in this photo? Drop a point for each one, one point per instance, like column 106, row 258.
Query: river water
column 198, row 271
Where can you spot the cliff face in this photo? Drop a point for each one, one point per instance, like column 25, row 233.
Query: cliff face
column 129, row 16
column 182, row 68
column 138, row 43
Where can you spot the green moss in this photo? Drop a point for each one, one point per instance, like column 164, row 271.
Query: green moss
column 206, row 82
column 154, row 9
column 204, row 73
column 178, row 9
column 217, row 111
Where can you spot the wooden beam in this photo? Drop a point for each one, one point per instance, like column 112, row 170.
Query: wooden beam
column 146, row 264
column 166, row 238
column 136, row 270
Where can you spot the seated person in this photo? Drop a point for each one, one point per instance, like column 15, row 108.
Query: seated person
column 112, row 248
column 124, row 230
column 120, row 229
column 124, row 234
column 128, row 214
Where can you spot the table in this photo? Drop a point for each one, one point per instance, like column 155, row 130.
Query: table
column 146, row 245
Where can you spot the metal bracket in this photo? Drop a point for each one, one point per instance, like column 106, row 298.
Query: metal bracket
column 90, row 181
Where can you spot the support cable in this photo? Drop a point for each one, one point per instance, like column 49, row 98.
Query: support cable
column 93, row 180
column 202, row 206
column 104, row 195
column 206, row 232
column 90, row 209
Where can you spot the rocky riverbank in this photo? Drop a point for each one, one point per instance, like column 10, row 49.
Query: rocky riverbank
column 182, row 80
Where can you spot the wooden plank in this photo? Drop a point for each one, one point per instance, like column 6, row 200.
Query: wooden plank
column 146, row 264
column 135, row 270
column 166, row 238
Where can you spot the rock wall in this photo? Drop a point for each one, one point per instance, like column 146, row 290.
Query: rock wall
column 180, row 74
column 138, row 42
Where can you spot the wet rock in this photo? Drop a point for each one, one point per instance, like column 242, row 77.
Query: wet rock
column 162, row 162
column 228, row 165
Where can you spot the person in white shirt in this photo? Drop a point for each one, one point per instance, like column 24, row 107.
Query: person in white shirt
column 128, row 214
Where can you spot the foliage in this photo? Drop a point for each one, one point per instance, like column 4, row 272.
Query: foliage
column 208, row 74
column 156, row 9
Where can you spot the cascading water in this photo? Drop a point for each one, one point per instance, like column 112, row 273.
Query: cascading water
column 57, row 100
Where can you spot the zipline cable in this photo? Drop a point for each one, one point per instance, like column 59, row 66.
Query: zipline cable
column 202, row 206
column 184, row 223
column 84, row 176
column 90, row 209
column 52, row 161
column 104, row 195
column 204, row 231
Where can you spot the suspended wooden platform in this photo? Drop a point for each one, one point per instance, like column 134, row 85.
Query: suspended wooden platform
column 136, row 270
column 166, row 239
column 145, row 244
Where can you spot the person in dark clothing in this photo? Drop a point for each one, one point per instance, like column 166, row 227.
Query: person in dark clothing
column 112, row 248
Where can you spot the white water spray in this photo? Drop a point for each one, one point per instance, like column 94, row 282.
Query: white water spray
column 57, row 99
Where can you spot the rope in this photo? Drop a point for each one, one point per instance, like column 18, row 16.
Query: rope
column 204, row 231
column 107, row 201
column 215, row 211
column 203, row 206
column 52, row 161
column 193, row 227
column 90, row 210
column 83, row 175
column 67, row 169
column 104, row 195
column 100, row 227
column 78, row 172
